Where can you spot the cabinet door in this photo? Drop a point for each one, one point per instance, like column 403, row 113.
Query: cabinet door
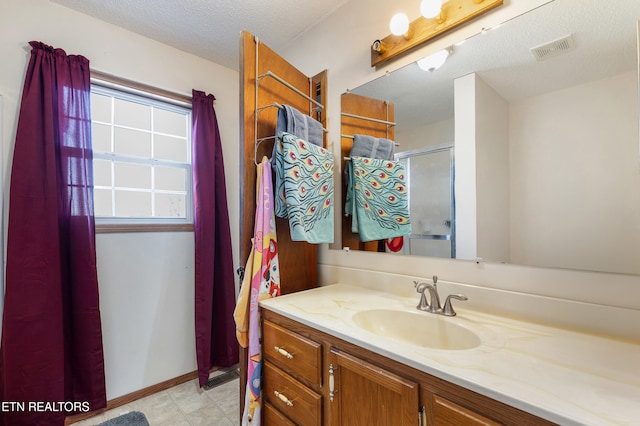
column 361, row 393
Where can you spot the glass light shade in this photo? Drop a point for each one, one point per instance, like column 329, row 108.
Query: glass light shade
column 434, row 61
column 430, row 8
column 399, row 24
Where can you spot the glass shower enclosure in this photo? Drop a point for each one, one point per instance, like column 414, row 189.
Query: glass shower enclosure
column 430, row 179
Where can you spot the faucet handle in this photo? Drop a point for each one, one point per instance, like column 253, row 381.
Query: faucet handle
column 448, row 309
column 423, row 305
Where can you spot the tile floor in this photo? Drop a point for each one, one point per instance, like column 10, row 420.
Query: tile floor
column 183, row 405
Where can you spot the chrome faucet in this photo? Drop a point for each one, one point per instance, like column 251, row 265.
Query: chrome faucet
column 434, row 298
column 433, row 306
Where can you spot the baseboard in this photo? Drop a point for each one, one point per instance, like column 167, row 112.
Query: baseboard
column 125, row 399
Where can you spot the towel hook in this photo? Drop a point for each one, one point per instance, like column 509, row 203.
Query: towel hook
column 256, row 145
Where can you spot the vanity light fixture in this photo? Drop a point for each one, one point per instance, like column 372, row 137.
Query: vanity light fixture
column 435, row 60
column 399, row 24
column 430, row 8
column 443, row 16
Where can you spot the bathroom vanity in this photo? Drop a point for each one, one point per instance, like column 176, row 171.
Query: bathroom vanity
column 335, row 355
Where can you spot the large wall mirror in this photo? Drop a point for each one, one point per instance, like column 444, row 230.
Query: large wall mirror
column 523, row 147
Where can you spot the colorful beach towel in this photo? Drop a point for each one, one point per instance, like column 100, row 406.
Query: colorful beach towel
column 377, row 198
column 304, row 188
column 262, row 276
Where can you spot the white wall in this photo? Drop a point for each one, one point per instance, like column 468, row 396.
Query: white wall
column 482, row 171
column 146, row 301
column 421, row 136
column 146, row 279
column 575, row 151
column 465, row 160
column 492, row 173
column 606, row 303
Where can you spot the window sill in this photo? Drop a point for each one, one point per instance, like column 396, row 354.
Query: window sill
column 110, row 229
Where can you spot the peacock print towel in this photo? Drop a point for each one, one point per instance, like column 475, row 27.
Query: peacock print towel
column 377, row 198
column 304, row 188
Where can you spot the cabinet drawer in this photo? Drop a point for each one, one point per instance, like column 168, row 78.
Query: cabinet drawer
column 447, row 413
column 273, row 417
column 290, row 397
column 292, row 352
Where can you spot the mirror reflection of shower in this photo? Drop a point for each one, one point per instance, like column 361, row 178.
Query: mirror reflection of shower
column 430, row 179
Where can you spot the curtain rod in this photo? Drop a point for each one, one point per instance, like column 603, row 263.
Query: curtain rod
column 147, row 89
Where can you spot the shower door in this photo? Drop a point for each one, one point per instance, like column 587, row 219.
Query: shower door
column 430, row 174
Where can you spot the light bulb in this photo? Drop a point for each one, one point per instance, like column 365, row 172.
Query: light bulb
column 430, row 8
column 399, row 24
column 434, row 61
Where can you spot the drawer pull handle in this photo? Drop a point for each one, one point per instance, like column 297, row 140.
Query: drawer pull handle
column 283, row 352
column 332, row 383
column 283, row 398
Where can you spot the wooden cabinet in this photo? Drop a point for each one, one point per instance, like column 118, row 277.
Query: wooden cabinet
column 328, row 381
column 361, row 393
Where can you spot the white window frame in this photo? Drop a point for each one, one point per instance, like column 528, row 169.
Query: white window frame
column 135, row 95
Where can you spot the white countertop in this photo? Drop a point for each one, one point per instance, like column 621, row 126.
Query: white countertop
column 566, row 377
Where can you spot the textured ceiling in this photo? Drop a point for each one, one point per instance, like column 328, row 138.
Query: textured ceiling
column 210, row 28
column 604, row 32
column 605, row 39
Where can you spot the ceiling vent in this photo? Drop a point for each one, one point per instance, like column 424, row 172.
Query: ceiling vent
column 554, row 48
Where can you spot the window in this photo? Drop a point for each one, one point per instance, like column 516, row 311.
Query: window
column 141, row 158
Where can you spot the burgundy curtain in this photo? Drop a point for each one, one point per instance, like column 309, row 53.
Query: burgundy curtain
column 51, row 349
column 216, row 344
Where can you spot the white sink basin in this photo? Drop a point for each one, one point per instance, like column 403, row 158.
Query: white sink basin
column 419, row 328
